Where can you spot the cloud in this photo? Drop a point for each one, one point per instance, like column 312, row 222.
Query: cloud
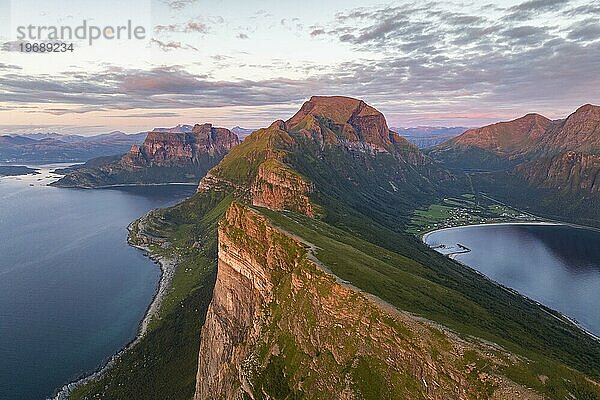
column 592, row 10
column 526, row 10
column 190, row 26
column 586, row 31
column 179, row 4
column 166, row 28
column 409, row 60
column 14, row 45
column 147, row 115
column 171, row 45
column 8, row 67
column 193, row 26
column 242, row 36
column 540, row 5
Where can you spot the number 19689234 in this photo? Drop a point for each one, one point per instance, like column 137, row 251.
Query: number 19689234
column 59, row 47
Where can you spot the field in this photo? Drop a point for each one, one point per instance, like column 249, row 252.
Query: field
column 467, row 209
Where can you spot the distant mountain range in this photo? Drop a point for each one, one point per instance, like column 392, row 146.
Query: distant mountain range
column 562, row 154
column 428, row 136
column 55, row 147
column 242, row 132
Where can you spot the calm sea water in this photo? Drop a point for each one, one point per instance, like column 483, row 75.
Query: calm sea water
column 557, row 265
column 72, row 292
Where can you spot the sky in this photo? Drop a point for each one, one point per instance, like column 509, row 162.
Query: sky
column 250, row 62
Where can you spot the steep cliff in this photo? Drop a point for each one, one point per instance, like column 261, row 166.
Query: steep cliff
column 180, row 154
column 281, row 326
column 319, row 293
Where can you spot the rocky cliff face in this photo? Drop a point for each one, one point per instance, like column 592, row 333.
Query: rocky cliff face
column 579, row 132
column 280, row 188
column 350, row 123
column 182, row 146
column 180, row 154
column 281, row 326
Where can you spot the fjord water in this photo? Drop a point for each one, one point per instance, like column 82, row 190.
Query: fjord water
column 72, row 292
column 556, row 265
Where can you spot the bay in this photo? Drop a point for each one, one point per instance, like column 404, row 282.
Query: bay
column 72, row 292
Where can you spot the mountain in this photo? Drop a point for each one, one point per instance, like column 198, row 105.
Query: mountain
column 11, row 170
column 295, row 267
column 54, row 147
column 428, row 136
column 495, row 145
column 549, row 167
column 242, row 133
column 180, row 154
column 7, row 141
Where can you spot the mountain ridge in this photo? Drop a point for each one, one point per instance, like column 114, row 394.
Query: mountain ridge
column 302, row 226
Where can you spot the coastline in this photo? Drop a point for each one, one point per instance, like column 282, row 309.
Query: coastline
column 425, row 235
column 167, row 269
column 120, row 185
column 555, row 313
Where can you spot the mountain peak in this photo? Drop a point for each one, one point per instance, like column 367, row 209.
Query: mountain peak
column 342, row 120
column 504, row 137
column 338, row 109
column 587, row 108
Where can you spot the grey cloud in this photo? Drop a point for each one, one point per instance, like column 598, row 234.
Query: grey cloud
column 586, row 31
column 193, row 26
column 190, row 26
column 166, row 28
column 14, row 45
column 584, row 10
column 147, row 115
column 7, row 67
column 540, row 5
column 528, row 9
column 179, row 4
column 171, row 45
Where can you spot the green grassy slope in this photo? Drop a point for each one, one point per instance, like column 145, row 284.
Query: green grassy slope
column 365, row 204
column 432, row 286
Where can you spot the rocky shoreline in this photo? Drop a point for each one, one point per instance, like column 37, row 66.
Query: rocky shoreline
column 167, row 268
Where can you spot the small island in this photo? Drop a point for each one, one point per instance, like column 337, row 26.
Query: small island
column 16, row 170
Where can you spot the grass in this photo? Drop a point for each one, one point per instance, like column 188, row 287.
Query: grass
column 367, row 204
column 467, row 209
column 456, row 297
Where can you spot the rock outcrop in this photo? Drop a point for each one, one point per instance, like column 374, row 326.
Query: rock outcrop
column 180, row 154
column 281, row 326
column 350, row 123
column 181, row 146
column 265, row 167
